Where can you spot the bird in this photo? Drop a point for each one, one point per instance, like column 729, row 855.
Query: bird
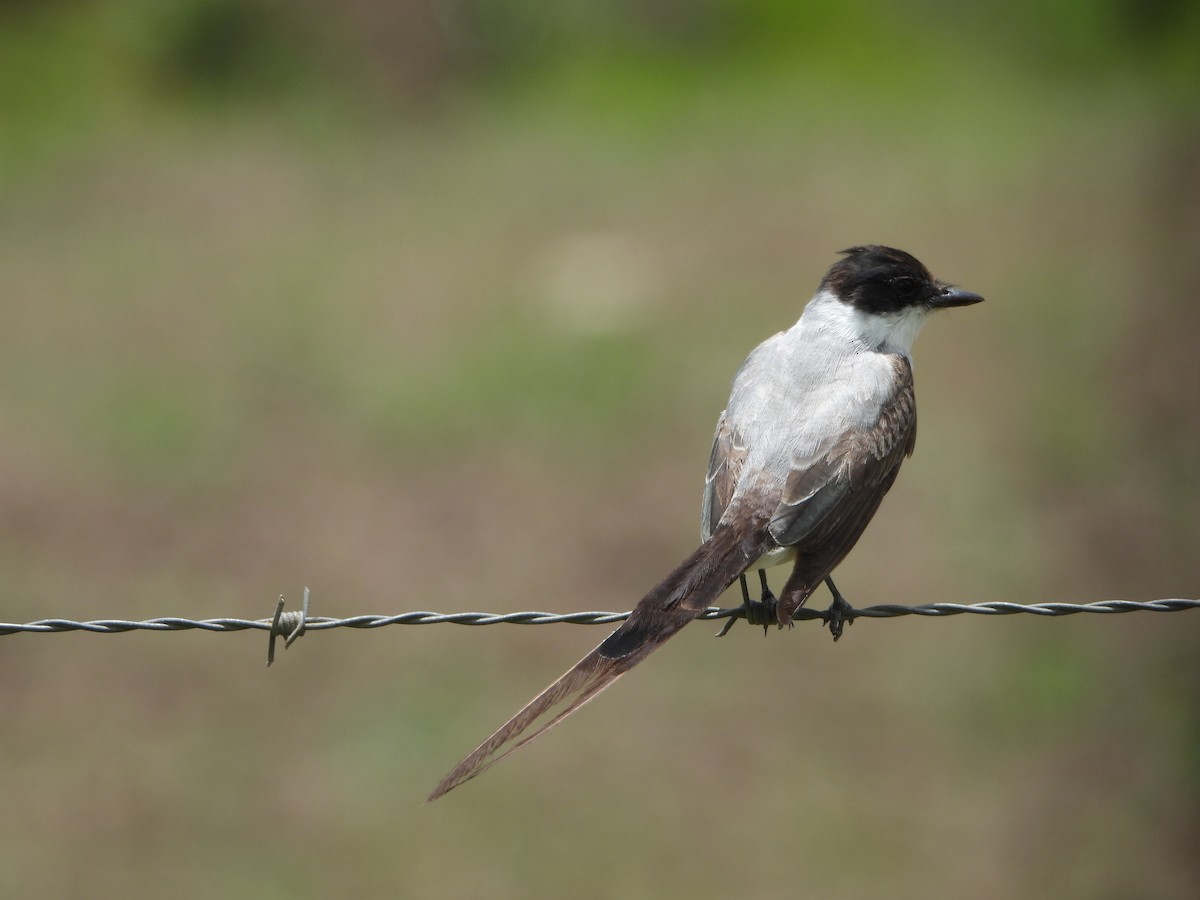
column 819, row 419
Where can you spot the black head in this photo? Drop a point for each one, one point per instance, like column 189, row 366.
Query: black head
column 883, row 280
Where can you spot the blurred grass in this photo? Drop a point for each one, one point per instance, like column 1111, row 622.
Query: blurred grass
column 436, row 310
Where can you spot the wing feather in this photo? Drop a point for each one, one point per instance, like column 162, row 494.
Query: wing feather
column 828, row 500
column 724, row 470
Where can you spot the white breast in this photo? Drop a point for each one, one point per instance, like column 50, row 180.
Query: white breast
column 802, row 389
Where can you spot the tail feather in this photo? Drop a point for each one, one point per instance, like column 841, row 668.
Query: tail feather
column 585, row 680
column 674, row 602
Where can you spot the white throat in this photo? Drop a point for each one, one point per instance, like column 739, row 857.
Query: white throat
column 889, row 333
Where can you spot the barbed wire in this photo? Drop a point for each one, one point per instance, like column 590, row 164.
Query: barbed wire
column 292, row 624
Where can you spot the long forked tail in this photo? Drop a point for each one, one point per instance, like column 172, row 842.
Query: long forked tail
column 680, row 597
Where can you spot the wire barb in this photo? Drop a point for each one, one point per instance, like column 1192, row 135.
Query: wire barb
column 290, row 624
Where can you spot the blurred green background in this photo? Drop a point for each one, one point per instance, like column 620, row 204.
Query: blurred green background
column 433, row 306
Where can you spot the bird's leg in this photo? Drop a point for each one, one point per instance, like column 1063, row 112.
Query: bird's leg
column 766, row 603
column 840, row 612
column 756, row 612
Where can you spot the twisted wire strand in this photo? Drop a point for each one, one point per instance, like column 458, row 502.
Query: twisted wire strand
column 290, row 624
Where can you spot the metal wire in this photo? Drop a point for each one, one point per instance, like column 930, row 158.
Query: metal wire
column 292, row 624
column 289, row 626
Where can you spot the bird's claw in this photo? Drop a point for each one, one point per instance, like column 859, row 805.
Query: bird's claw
column 839, row 614
column 757, row 612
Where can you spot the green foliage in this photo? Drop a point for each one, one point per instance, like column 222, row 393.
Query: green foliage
column 513, row 382
column 67, row 69
column 225, row 46
column 149, row 424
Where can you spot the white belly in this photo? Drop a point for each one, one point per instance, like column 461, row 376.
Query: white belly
column 776, row 557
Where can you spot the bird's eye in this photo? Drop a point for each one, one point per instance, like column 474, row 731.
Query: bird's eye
column 904, row 285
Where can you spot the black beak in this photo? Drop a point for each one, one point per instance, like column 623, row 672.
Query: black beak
column 952, row 296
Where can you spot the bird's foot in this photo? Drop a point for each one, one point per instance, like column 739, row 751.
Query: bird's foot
column 757, row 612
column 762, row 611
column 840, row 612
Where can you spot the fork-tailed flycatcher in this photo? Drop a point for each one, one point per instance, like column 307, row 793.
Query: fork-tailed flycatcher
column 819, row 419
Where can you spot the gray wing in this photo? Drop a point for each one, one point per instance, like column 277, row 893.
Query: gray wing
column 724, row 469
column 828, row 499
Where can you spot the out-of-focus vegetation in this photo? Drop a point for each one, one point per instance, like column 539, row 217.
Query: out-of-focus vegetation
column 433, row 306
